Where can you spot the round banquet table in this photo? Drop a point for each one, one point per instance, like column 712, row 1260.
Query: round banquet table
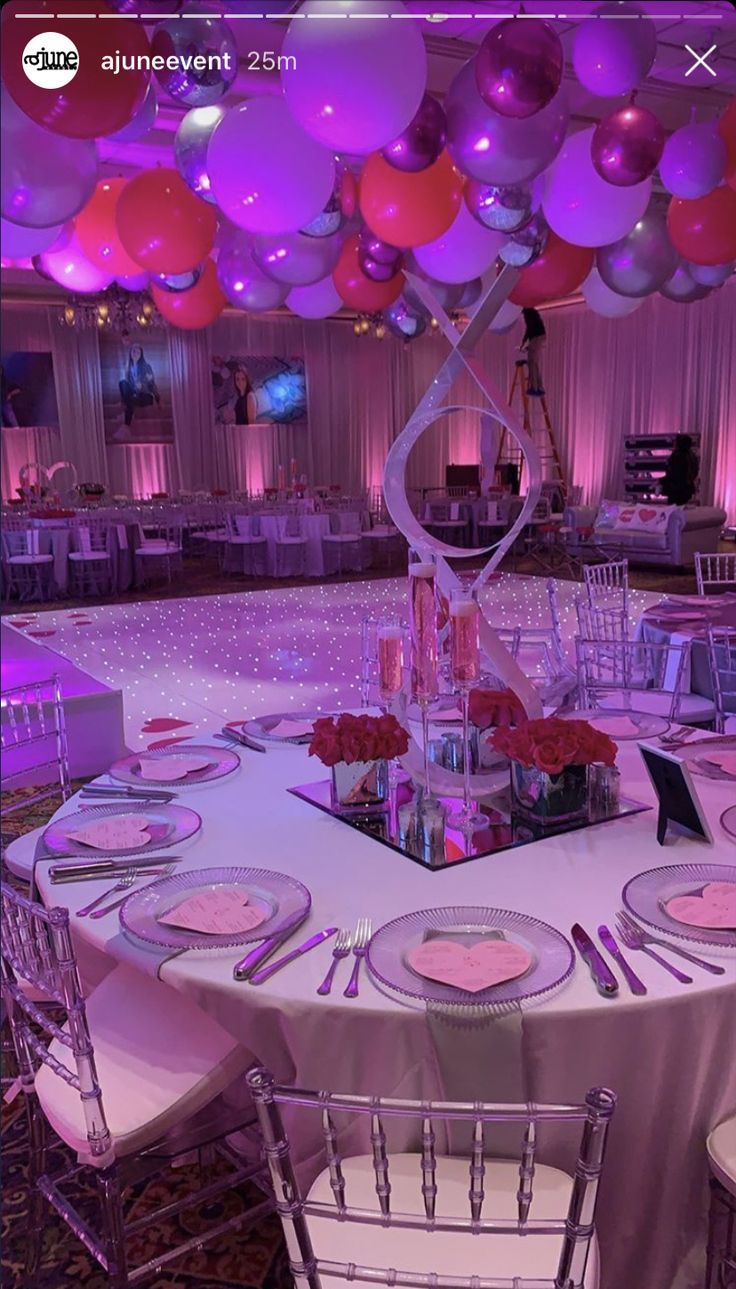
column 664, row 624
column 670, row 1056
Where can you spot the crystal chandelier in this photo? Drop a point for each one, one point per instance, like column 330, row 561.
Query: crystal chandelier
column 112, row 310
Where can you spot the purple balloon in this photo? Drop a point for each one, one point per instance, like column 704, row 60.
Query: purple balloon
column 378, row 260
column 710, row 274
column 499, row 208
column 525, row 246
column 465, row 250
column 420, row 144
column 498, row 149
column 642, row 261
column 18, row 243
column 519, row 67
column 134, row 281
column 612, row 57
column 243, row 282
column 294, row 258
column 627, row 145
column 682, row 287
column 693, row 161
column 320, row 300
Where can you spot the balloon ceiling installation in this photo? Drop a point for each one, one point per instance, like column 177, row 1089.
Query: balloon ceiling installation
column 341, row 170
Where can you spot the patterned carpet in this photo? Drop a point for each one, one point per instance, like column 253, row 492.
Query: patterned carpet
column 255, row 1259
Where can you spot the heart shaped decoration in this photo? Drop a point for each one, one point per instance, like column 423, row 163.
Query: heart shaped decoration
column 223, row 911
column 161, row 724
column 167, row 769
column 120, row 832
column 626, row 516
column 714, row 908
column 487, row 963
column 647, row 514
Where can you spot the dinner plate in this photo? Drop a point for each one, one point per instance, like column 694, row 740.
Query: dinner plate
column 220, row 762
column 647, row 894
column 728, row 821
column 170, row 826
column 552, row 956
column 262, row 727
column 696, row 755
column 647, row 724
column 282, row 899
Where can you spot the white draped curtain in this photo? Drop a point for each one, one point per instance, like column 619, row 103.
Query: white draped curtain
column 667, row 367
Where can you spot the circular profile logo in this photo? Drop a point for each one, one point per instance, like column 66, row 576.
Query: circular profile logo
column 50, row 60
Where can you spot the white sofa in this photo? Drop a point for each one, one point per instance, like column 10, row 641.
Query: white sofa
column 647, row 533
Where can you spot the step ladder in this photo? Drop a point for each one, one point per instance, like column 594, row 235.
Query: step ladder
column 542, row 435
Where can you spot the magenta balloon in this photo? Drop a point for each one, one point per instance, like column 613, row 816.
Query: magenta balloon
column 67, row 265
column 682, row 287
column 134, row 281
column 243, row 282
column 320, row 300
column 580, row 206
column 465, row 251
column 420, row 144
column 294, row 258
column 711, row 274
column 601, row 299
column 267, row 174
column 627, row 145
column 498, row 149
column 18, row 243
column 613, row 54
column 693, row 161
column 519, row 66
column 378, row 260
column 354, row 85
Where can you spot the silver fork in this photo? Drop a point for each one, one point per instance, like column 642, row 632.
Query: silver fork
column 634, row 940
column 363, row 933
column 648, row 938
column 124, row 885
column 343, row 945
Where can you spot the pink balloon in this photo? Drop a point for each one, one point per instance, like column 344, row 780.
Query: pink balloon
column 319, row 300
column 519, row 66
column 465, row 251
column 627, row 145
column 580, row 206
column 66, row 263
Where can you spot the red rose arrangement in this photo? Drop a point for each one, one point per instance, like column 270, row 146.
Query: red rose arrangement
column 357, row 738
column 552, row 744
column 495, row 707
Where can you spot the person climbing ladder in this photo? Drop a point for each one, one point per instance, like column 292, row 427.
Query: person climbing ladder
column 533, row 341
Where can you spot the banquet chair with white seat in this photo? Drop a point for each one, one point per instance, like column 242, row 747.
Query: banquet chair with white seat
column 130, row 1079
column 246, row 551
column 35, row 755
column 290, row 558
column 608, row 583
column 722, row 664
column 342, row 548
column 90, row 561
column 445, row 520
column 721, row 1250
column 160, row 546
column 384, row 544
column 715, row 573
column 418, row 1219
column 601, row 621
column 28, row 563
column 632, row 676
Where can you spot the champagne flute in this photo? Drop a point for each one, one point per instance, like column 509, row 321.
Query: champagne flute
column 424, row 648
column 465, row 670
column 390, row 656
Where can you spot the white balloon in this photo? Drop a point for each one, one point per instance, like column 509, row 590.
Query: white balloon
column 580, row 206
column 466, row 250
column 320, row 300
column 601, row 299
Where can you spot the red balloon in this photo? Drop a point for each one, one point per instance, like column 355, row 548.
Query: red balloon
column 409, row 208
column 348, row 194
column 559, row 270
column 727, row 131
column 97, row 231
column 358, row 291
column 704, row 230
column 162, row 225
column 193, row 309
column 94, row 101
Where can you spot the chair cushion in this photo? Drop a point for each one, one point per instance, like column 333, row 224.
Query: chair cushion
column 445, row 1253
column 159, row 548
column 19, row 855
column 93, row 556
column 159, row 1060
column 658, row 702
column 30, row 559
column 729, row 725
column 722, row 1154
column 242, row 540
column 346, row 538
column 290, row 541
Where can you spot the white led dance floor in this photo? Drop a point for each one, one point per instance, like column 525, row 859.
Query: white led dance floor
column 218, row 658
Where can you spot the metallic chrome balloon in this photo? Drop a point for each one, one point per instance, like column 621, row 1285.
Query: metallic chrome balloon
column 447, row 294
column 337, row 212
column 378, row 260
column 682, row 287
column 420, row 144
column 191, row 38
column 471, row 293
column 294, row 258
column 526, row 245
column 190, row 148
column 405, row 320
column 642, row 261
column 627, row 145
column 519, row 66
column 503, row 209
column 710, row 274
column 176, row 282
column 244, row 283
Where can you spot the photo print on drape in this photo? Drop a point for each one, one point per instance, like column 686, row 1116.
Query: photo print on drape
column 264, row 390
column 28, row 390
column 136, row 387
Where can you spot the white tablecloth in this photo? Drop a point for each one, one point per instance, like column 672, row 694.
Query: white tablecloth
column 314, row 527
column 671, row 1056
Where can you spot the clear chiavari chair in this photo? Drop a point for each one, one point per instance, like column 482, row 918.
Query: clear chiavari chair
column 715, row 573
column 608, row 583
column 35, row 755
column 130, row 1079
column 290, row 557
column 160, row 544
column 90, row 561
column 641, row 677
column 601, row 621
column 245, row 551
column 722, row 664
column 28, row 562
column 433, row 1221
column 721, row 1251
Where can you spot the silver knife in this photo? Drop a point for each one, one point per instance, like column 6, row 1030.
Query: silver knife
column 81, row 872
column 231, row 736
column 636, row 985
column 603, row 978
column 256, row 957
column 259, row 976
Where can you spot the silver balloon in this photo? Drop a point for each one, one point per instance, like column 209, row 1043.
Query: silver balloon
column 46, row 179
column 710, row 274
column 471, row 293
column 503, row 209
column 526, row 245
column 682, row 287
column 406, row 318
column 190, row 148
column 244, row 283
column 188, row 40
column 333, row 218
column 176, row 282
column 294, row 258
column 642, row 261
